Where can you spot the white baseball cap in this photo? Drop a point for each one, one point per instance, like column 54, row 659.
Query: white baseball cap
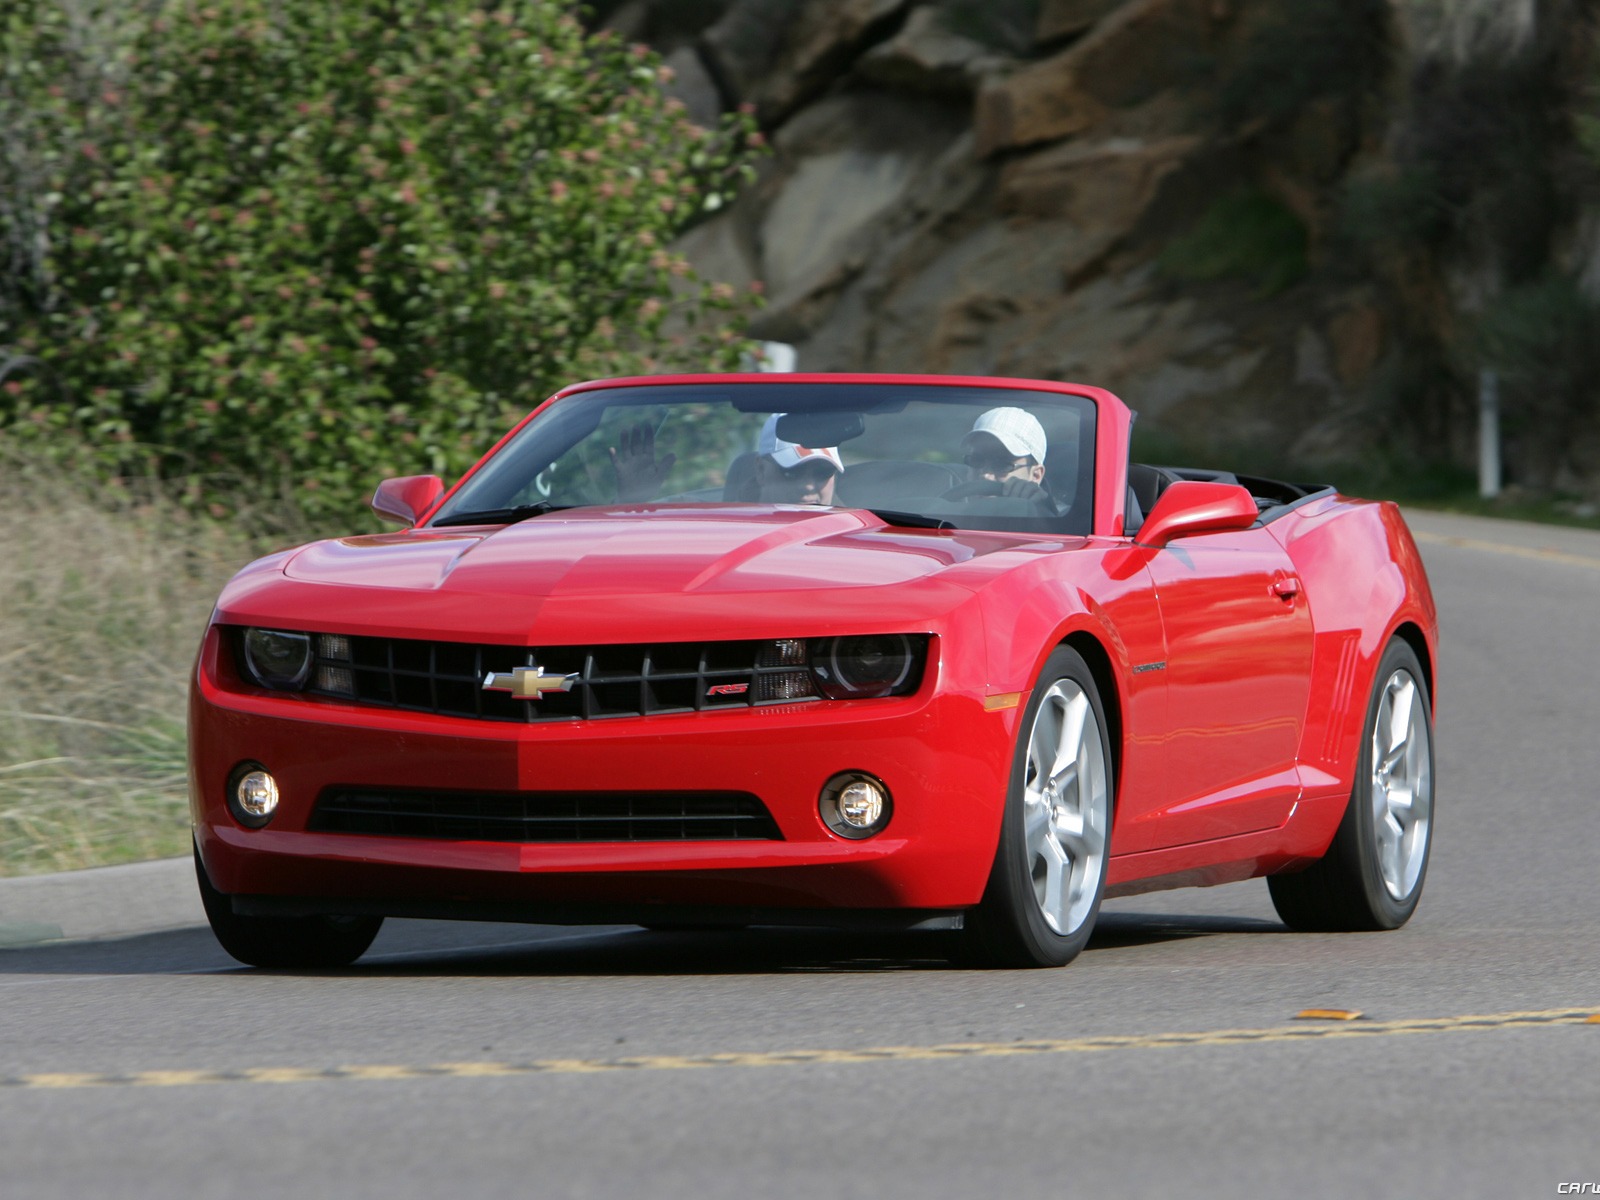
column 1016, row 429
column 788, row 454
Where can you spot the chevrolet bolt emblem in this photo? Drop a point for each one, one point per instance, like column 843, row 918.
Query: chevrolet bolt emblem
column 527, row 683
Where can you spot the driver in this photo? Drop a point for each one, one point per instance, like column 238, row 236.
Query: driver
column 1005, row 452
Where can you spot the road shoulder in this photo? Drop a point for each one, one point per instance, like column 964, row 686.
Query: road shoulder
column 102, row 902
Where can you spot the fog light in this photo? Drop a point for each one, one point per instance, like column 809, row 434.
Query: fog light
column 861, row 804
column 855, row 805
column 252, row 795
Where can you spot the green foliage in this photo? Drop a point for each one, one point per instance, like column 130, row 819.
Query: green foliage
column 1586, row 120
column 296, row 246
column 1245, row 235
column 1493, row 139
column 1541, row 338
column 1303, row 51
column 1393, row 209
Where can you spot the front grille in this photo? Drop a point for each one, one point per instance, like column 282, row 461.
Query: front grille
column 546, row 816
column 612, row 681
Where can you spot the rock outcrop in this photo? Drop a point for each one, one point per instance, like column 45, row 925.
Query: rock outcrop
column 1008, row 187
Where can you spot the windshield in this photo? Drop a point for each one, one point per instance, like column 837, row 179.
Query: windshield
column 960, row 456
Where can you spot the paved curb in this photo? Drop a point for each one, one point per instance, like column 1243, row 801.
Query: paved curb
column 103, row 902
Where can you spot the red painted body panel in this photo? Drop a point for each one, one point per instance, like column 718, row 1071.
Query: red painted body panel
column 1363, row 579
column 1236, row 668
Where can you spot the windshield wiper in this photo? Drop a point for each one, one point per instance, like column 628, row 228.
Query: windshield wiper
column 502, row 516
column 910, row 519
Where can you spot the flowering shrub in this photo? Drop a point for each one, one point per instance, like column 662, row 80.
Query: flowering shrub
column 290, row 247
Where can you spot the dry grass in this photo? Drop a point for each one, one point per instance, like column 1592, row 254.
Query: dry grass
column 104, row 593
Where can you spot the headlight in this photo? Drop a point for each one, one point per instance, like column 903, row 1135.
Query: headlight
column 849, row 668
column 277, row 659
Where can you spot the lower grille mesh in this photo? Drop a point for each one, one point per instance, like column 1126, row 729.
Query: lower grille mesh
column 546, row 816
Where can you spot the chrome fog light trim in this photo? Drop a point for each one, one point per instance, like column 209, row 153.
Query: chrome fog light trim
column 855, row 805
column 253, row 795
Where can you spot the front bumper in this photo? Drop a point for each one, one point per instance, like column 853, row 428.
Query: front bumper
column 944, row 758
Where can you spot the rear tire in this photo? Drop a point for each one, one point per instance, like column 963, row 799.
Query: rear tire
column 1049, row 871
column 318, row 941
column 1371, row 877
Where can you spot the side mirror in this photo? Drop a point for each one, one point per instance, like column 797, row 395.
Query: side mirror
column 405, row 499
column 1189, row 507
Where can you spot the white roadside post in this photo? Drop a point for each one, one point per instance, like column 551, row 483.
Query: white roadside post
column 1488, row 433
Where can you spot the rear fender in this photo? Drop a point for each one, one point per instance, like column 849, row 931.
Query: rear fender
column 1363, row 578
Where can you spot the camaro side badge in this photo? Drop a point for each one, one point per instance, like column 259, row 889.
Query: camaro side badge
column 527, row 683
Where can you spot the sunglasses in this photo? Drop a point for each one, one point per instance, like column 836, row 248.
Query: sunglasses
column 813, row 474
column 990, row 464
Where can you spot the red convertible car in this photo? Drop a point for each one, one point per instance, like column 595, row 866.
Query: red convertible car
column 897, row 652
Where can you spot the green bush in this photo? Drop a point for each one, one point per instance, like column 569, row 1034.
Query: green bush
column 1392, row 210
column 1298, row 53
column 294, row 246
column 1245, row 235
column 1540, row 337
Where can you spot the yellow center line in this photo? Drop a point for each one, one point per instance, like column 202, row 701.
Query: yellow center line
column 1541, row 553
column 790, row 1058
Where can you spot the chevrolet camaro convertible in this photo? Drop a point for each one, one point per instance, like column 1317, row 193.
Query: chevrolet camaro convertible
column 891, row 652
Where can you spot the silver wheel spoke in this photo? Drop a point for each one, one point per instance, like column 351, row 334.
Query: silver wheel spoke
column 1069, row 833
column 1392, row 759
column 1066, row 779
column 1071, row 737
column 1400, row 698
column 1400, row 803
column 1035, row 825
column 1057, row 870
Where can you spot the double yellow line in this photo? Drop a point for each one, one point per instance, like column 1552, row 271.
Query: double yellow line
column 792, row 1058
column 1538, row 553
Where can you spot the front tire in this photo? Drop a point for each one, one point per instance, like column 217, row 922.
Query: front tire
column 1371, row 877
column 319, row 941
column 1049, row 872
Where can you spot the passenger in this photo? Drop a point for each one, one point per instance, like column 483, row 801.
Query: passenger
column 638, row 472
column 785, row 472
column 788, row 473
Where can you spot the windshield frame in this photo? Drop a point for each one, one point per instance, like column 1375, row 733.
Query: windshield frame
column 1088, row 510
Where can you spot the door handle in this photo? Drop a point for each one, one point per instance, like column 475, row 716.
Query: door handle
column 1285, row 587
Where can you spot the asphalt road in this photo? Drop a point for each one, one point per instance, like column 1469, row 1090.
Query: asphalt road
column 498, row 1060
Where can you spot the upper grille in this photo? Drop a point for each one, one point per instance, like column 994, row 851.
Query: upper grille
column 545, row 816
column 612, row 681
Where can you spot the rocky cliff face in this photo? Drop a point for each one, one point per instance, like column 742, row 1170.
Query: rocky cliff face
column 1148, row 195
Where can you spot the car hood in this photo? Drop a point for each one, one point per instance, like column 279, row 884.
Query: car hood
column 611, row 552
column 632, row 574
